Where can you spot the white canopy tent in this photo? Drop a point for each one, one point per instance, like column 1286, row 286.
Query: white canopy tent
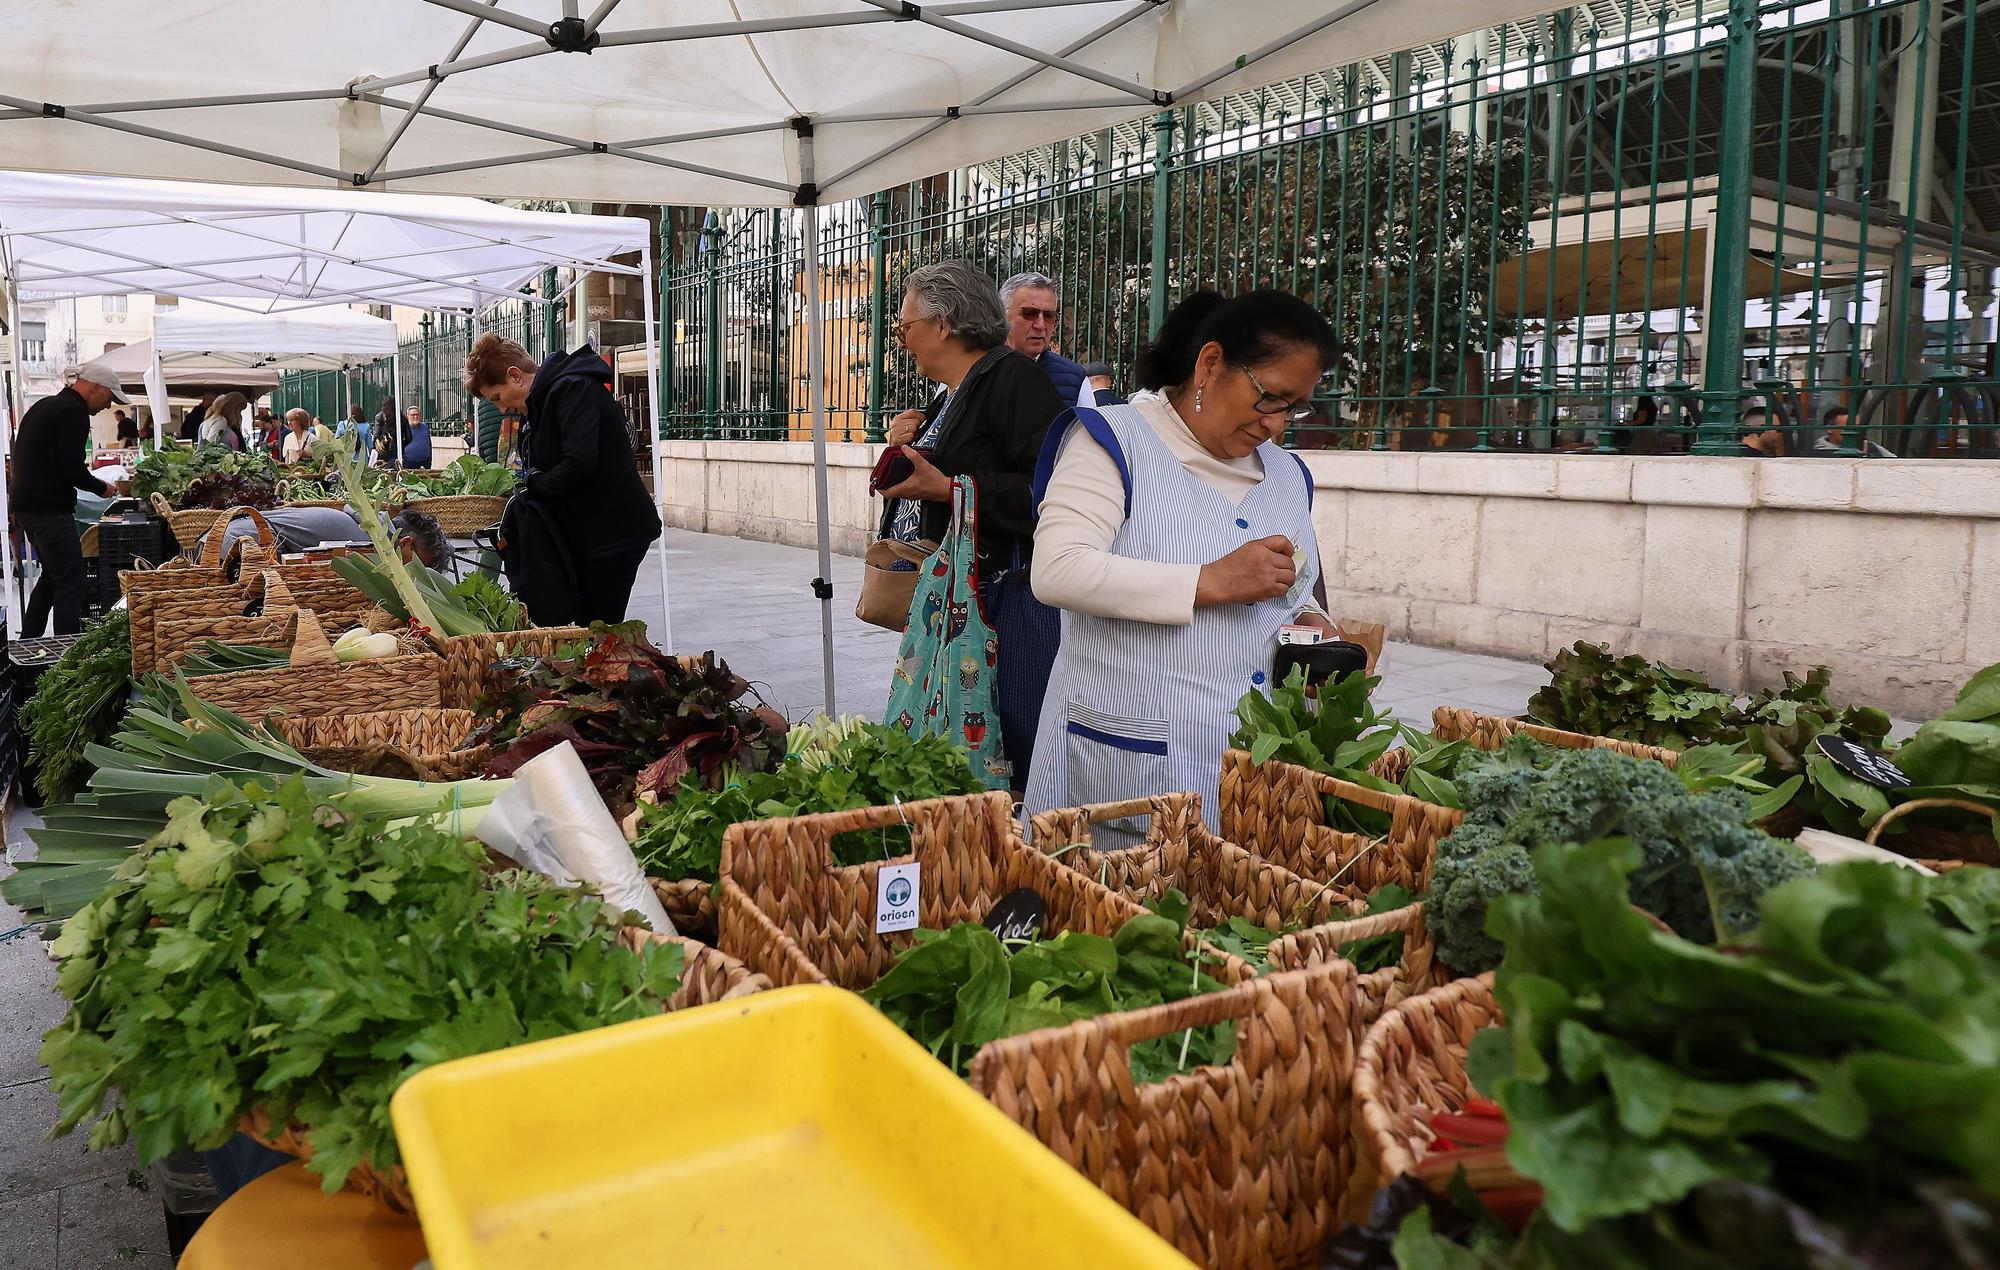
column 135, row 360
column 278, row 258
column 760, row 102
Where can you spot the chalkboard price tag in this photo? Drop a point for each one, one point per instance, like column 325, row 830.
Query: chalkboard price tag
column 1018, row 914
column 1862, row 763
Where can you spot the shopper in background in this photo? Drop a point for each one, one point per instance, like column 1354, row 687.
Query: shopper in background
column 1034, row 309
column 988, row 426
column 1098, row 376
column 298, row 440
column 1177, row 537
column 191, row 424
column 128, row 428
column 416, row 439
column 223, row 423
column 49, row 468
column 1833, row 437
column 577, row 455
column 354, row 435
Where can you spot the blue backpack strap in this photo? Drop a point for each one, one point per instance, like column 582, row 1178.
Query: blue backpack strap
column 1100, row 431
column 1305, row 472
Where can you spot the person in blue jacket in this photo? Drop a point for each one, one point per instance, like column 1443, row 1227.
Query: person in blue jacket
column 1034, row 309
column 416, row 440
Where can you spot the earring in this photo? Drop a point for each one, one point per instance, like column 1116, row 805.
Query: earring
column 1197, row 398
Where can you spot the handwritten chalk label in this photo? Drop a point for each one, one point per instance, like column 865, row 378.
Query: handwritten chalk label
column 896, row 898
column 1018, row 914
column 1862, row 763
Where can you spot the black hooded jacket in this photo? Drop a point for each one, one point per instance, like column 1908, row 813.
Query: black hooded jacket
column 579, row 457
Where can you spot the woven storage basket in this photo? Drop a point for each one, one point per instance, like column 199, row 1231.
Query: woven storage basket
column 467, row 657
column 430, row 736
column 1932, row 843
column 317, row 682
column 1490, row 732
column 689, row 902
column 187, row 526
column 154, row 607
column 459, row 515
column 1240, row 1165
column 1411, row 1065
column 145, row 589
column 177, row 627
column 708, row 975
column 1276, row 811
column 1222, row 880
column 787, row 910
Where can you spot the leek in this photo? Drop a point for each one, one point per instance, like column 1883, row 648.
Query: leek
column 385, row 548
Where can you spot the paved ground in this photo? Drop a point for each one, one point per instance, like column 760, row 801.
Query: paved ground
column 752, row 603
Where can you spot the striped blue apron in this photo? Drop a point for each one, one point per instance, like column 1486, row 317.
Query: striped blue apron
column 1137, row 708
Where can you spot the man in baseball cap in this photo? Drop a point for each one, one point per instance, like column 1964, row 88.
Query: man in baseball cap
column 49, row 468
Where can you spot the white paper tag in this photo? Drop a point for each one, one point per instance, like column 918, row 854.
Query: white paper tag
column 896, row 898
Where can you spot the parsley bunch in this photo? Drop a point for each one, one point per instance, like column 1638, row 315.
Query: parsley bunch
column 267, row 950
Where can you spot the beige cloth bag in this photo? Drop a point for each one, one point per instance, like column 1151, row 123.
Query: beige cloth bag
column 889, row 573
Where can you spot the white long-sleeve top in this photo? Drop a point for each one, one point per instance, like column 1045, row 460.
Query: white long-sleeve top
column 1084, row 507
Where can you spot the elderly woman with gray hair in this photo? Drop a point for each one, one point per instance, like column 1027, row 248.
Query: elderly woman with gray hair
column 987, row 425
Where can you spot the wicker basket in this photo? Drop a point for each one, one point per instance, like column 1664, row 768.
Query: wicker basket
column 461, row 515
column 1276, row 811
column 689, row 902
column 188, row 526
column 1240, row 1165
column 1934, row 843
column 467, row 658
column 429, row 737
column 157, row 606
column 178, row 627
column 145, row 589
column 707, row 976
column 1490, row 732
column 317, row 682
column 1412, row 1063
column 787, row 910
column 1222, row 880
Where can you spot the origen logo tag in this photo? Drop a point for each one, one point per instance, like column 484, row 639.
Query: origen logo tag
column 896, row 898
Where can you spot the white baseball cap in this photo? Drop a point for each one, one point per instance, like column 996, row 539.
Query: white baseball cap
column 104, row 377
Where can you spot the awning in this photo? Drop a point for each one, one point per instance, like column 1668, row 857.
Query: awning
column 191, row 377
column 655, row 101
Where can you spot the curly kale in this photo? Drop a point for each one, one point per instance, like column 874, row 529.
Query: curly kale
column 1702, row 871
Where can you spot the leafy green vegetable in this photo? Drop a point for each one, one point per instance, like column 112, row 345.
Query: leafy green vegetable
column 1242, row 938
column 1342, row 738
column 489, row 603
column 209, row 475
column 1704, row 870
column 265, row 950
column 954, row 990
column 77, row 703
column 1842, row 1053
column 1379, row 952
column 467, row 474
column 863, row 764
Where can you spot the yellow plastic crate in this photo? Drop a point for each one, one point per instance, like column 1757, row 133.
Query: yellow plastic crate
column 792, row 1128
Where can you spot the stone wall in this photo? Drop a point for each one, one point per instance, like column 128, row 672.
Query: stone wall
column 1886, row 571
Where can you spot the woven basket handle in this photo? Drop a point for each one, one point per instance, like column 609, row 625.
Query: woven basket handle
column 309, row 643
column 1289, row 952
column 1065, row 826
column 1919, row 804
column 278, row 598
column 211, row 550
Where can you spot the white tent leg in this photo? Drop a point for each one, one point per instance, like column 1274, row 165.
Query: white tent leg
column 646, row 285
column 816, row 368
column 18, row 395
column 472, row 403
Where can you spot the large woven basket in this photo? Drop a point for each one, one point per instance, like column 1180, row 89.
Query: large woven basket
column 429, row 737
column 157, row 606
column 1491, row 732
column 468, row 658
column 1412, row 1065
column 708, row 975
column 1934, row 844
column 317, row 682
column 787, row 910
column 1221, row 880
column 1277, row 812
column 188, row 526
column 180, row 628
column 146, row 589
column 1241, row 1165
column 460, row 515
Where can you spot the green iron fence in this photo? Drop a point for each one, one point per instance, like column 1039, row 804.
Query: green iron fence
column 1742, row 214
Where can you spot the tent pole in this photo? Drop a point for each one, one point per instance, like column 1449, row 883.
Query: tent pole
column 396, row 402
column 646, row 284
column 16, row 393
column 472, row 403
column 816, row 368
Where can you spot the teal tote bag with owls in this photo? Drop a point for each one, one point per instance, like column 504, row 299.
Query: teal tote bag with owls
column 945, row 670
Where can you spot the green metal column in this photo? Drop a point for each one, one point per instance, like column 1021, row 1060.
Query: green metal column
column 878, row 302
column 423, row 367
column 1722, row 377
column 711, row 338
column 1163, row 157
column 550, row 317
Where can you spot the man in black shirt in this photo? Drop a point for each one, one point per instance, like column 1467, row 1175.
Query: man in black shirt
column 191, row 426
column 49, row 469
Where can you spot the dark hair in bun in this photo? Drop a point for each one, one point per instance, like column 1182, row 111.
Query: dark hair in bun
column 1252, row 329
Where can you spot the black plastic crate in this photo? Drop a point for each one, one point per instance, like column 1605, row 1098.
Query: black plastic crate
column 122, row 542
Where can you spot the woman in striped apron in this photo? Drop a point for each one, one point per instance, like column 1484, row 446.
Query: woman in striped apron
column 1176, row 536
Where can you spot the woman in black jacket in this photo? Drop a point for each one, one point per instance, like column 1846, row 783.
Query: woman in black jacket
column 577, row 456
column 988, row 426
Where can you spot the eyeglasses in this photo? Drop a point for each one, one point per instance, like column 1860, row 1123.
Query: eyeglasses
column 1031, row 315
column 1270, row 403
column 900, row 326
